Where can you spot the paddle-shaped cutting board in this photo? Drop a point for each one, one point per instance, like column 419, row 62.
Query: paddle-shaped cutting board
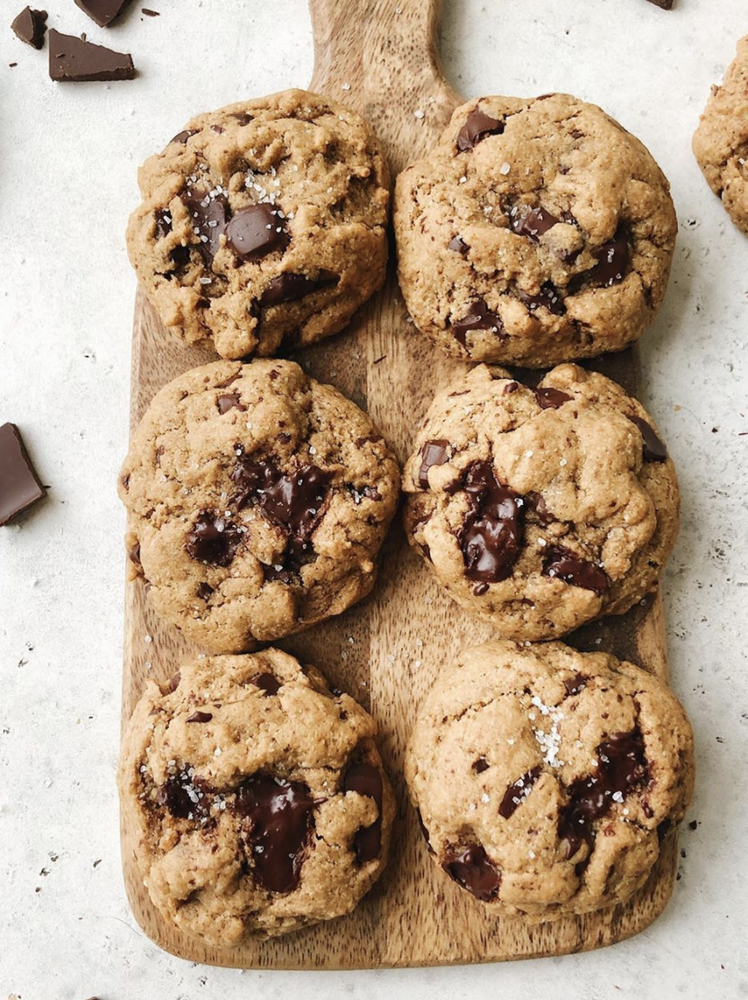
column 379, row 57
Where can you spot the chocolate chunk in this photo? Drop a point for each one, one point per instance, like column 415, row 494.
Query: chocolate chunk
column 208, row 213
column 289, row 287
column 214, row 539
column 458, row 245
column 534, row 223
column 621, row 768
column 612, row 261
column 366, row 780
column 163, row 223
column 517, row 792
column 480, row 589
column 184, row 796
column 550, row 399
column 199, row 717
column 182, row 137
column 549, row 297
column 180, row 257
column 20, row 486
column 491, row 537
column 536, row 503
column 292, row 501
column 204, row 591
column 256, row 231
column 471, row 868
column 476, row 128
column 654, row 450
column 72, row 59
column 561, row 564
column 277, row 825
column 30, row 26
column 664, row 4
column 230, row 401
column 268, row 683
column 663, row 829
column 102, row 11
column 243, row 118
column 480, row 765
column 478, row 317
column 432, row 453
column 286, row 571
column 575, row 684
column 149, row 13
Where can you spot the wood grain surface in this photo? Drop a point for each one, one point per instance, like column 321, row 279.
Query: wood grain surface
column 388, row 650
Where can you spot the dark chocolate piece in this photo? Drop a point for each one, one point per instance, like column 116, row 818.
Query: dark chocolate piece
column 549, row 297
column 163, row 223
column 208, row 217
column 366, row 780
column 182, row 137
column 256, row 231
column 149, row 13
column 664, row 4
column 471, row 868
column 20, row 486
column 575, row 684
column 432, row 453
column 491, row 537
column 654, row 450
column 517, row 792
column 30, row 26
column 476, row 128
column 77, row 61
column 268, row 683
column 612, row 261
column 103, row 12
column 184, row 796
column 480, row 765
column 478, row 317
column 534, row 224
column 204, row 591
column 230, row 401
column 214, row 539
column 550, row 399
column 277, row 825
column 199, row 717
column 562, row 564
column 289, row 287
column 621, row 768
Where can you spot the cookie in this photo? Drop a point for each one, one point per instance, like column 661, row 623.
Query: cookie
column 541, row 509
column 263, row 223
column 258, row 797
column 258, row 500
column 547, row 778
column 536, row 231
column 720, row 143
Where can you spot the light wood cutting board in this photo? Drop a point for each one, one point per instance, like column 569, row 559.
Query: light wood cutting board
column 380, row 58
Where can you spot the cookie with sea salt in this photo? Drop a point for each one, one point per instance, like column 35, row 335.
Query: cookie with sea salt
column 546, row 779
column 541, row 509
column 258, row 797
column 263, row 223
column 536, row 231
column 258, row 500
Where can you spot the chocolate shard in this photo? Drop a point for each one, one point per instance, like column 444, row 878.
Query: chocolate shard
column 213, row 540
column 432, row 453
column 208, row 212
column 256, row 231
column 289, row 287
column 562, row 564
column 664, row 4
column 476, row 128
column 534, row 223
column 478, row 317
column 492, row 535
column 19, row 484
column 653, row 450
column 103, row 12
column 549, row 297
column 517, row 792
column 183, row 136
column 471, row 868
column 550, row 399
column 366, row 780
column 76, row 61
column 612, row 260
column 30, row 26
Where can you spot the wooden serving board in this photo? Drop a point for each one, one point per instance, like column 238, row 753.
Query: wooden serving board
column 388, row 650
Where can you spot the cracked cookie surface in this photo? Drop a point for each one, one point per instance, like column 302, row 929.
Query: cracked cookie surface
column 258, row 500
column 263, row 223
column 547, row 778
column 258, row 795
column 536, row 231
column 720, row 143
column 541, row 509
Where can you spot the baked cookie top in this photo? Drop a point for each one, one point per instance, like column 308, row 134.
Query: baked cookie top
column 720, row 143
column 546, row 778
column 258, row 500
column 536, row 231
column 258, row 796
column 541, row 509
column 263, row 222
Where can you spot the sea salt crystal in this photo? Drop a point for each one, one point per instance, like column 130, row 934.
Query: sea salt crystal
column 505, row 168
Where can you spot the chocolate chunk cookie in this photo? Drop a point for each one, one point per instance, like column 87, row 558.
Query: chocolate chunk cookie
column 258, row 796
column 536, row 231
column 540, row 510
column 258, row 501
column 720, row 143
column 547, row 778
column 263, row 222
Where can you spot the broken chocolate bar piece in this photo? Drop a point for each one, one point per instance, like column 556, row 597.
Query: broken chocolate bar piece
column 102, row 11
column 19, row 483
column 30, row 26
column 665, row 4
column 73, row 59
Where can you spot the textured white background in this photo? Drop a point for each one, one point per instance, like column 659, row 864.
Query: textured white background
column 68, row 159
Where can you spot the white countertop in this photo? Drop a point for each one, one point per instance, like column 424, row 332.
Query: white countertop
column 67, row 183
